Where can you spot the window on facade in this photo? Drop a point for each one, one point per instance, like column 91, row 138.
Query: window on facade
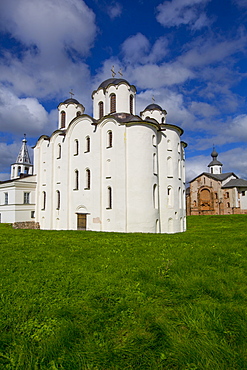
column 63, row 117
column 155, row 164
column 131, row 104
column 59, row 151
column 88, row 179
column 227, row 194
column 44, row 200
column 169, row 167
column 243, row 193
column 87, row 144
column 32, row 214
column 179, row 169
column 26, row 170
column 26, row 199
column 6, row 198
column 109, row 139
column 19, row 170
column 58, row 199
column 170, row 196
column 228, row 204
column 76, row 147
column 155, row 196
column 101, row 109
column 169, row 145
column 154, row 141
column 76, row 180
column 109, row 198
column 112, row 103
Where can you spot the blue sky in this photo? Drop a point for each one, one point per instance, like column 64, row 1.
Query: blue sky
column 191, row 55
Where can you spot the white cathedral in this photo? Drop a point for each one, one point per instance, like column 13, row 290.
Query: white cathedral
column 115, row 171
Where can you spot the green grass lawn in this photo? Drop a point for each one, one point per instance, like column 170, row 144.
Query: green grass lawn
column 85, row 300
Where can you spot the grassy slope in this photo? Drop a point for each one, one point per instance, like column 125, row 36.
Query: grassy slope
column 84, row 300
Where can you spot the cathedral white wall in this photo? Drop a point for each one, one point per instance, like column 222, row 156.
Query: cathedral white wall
column 158, row 115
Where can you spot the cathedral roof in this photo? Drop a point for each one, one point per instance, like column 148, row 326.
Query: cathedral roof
column 112, row 81
column 153, row 107
column 217, row 177
column 71, row 100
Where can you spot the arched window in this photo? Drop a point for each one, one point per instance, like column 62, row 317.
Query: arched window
column 109, row 198
column 155, row 164
column 179, row 169
column 112, row 103
column 131, row 104
column 58, row 199
column 76, row 147
column 109, row 139
column 101, row 109
column 76, row 180
column 155, row 196
column 170, row 196
column 154, row 140
column 179, row 198
column 19, row 171
column 63, row 116
column 87, row 144
column 88, row 179
column 44, row 200
column 169, row 167
column 169, row 145
column 59, row 151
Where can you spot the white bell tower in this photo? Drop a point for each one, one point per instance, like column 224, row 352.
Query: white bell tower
column 23, row 165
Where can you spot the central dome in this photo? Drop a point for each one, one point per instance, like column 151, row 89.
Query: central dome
column 112, row 81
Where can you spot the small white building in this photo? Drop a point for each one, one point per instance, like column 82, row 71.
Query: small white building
column 17, row 195
column 115, row 171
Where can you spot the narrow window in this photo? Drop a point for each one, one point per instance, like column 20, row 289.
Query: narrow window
column 59, row 151
column 88, row 179
column 169, row 145
column 179, row 169
column 155, row 164
column 112, row 103
column 63, row 116
column 155, row 196
column 44, row 200
column 101, row 109
column 26, row 199
column 131, row 104
column 26, row 170
column 243, row 193
column 169, row 166
column 32, row 214
column 154, row 141
column 6, row 198
column 76, row 147
column 227, row 194
column 87, row 144
column 228, row 205
column 76, row 180
column 109, row 198
column 109, row 139
column 58, row 199
column 170, row 196
column 19, row 170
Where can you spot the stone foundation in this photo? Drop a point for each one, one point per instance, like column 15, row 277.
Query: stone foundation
column 26, row 225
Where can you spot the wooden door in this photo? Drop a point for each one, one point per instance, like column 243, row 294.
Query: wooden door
column 81, row 221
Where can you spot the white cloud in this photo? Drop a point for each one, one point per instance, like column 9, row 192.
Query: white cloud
column 188, row 12
column 18, row 116
column 54, row 35
column 114, row 10
column 8, row 155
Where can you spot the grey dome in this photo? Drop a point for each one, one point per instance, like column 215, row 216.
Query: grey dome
column 153, row 107
column 112, row 81
column 70, row 100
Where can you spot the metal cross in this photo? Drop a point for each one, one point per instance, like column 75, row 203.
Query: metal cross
column 71, row 93
column 113, row 72
column 120, row 72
